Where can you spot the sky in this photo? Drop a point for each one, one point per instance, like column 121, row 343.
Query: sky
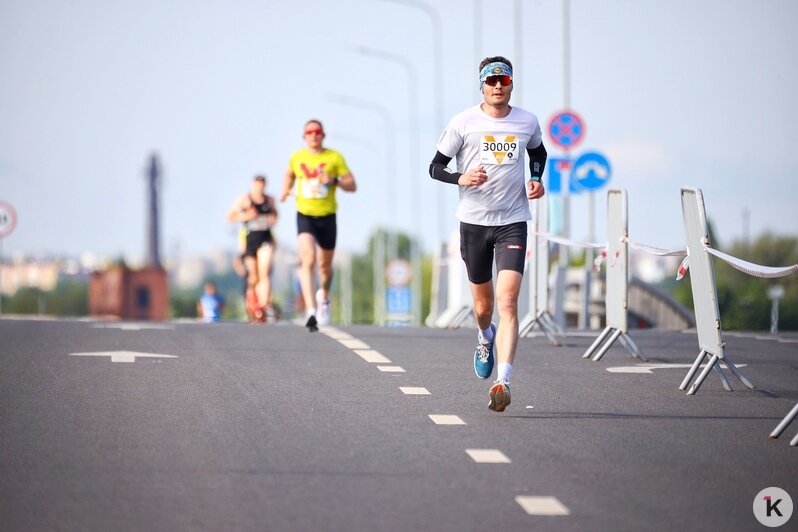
column 675, row 93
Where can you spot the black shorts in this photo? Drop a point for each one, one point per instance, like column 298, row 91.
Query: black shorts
column 255, row 240
column 323, row 228
column 479, row 243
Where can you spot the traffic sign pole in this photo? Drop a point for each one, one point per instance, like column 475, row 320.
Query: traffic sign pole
column 8, row 221
column 1, row 276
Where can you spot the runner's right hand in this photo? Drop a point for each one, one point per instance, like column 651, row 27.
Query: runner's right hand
column 473, row 177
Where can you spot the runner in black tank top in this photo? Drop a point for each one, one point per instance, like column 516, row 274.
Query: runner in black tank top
column 257, row 216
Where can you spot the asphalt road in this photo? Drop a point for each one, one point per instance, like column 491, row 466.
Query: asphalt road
column 274, row 428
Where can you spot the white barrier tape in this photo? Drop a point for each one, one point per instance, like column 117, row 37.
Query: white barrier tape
column 750, row 268
column 655, row 250
column 568, row 242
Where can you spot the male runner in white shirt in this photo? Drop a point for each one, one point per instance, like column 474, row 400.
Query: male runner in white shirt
column 488, row 141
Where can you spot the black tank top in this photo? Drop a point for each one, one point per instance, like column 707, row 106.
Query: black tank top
column 261, row 221
column 262, row 208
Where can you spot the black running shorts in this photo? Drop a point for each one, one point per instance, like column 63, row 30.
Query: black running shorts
column 323, row 228
column 479, row 243
column 256, row 239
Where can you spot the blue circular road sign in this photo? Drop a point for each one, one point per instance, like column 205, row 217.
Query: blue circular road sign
column 591, row 171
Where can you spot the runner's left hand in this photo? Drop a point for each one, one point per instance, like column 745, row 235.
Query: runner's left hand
column 534, row 189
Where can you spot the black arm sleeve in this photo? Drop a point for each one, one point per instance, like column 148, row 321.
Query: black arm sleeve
column 537, row 161
column 439, row 171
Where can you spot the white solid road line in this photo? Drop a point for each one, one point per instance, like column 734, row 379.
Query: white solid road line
column 542, row 505
column 122, row 356
column 439, row 419
column 127, row 326
column 488, row 456
column 413, row 390
column 648, row 367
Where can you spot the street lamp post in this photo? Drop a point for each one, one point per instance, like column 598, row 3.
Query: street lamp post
column 346, row 268
column 379, row 248
column 437, row 44
column 415, row 249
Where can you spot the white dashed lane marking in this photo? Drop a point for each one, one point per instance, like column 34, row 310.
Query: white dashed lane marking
column 370, row 355
column 488, row 456
column 354, row 344
column 338, row 335
column 542, row 505
column 413, row 390
column 391, row 369
column 531, row 505
column 439, row 419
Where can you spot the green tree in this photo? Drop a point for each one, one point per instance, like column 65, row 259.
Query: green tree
column 363, row 277
column 68, row 298
column 742, row 298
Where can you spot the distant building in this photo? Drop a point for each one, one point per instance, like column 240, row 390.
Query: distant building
column 141, row 294
column 121, row 293
column 39, row 274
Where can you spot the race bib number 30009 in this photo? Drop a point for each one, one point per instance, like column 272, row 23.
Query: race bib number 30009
column 496, row 149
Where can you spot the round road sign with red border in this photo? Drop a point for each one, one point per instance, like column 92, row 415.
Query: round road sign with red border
column 8, row 219
column 566, row 129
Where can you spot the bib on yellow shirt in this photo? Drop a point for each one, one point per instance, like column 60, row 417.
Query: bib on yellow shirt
column 312, row 197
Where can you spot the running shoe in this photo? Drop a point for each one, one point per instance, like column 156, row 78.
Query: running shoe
column 483, row 356
column 499, row 396
column 252, row 306
column 312, row 324
column 324, row 308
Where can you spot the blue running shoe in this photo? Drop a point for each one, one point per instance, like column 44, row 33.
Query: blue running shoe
column 499, row 396
column 483, row 356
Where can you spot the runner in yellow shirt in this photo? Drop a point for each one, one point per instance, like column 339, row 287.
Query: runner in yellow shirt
column 318, row 173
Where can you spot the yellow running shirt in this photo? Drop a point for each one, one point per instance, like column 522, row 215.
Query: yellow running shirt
column 313, row 198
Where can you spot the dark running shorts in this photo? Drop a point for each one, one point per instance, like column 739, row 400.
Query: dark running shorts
column 323, row 228
column 255, row 240
column 479, row 243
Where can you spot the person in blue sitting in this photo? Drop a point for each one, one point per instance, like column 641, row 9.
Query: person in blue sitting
column 211, row 304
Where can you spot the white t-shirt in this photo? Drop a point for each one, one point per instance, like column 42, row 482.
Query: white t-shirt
column 499, row 144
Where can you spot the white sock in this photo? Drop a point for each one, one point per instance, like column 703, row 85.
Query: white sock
column 486, row 335
column 504, row 372
column 310, row 312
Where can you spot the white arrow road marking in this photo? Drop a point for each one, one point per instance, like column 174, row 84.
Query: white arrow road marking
column 133, row 326
column 647, row 368
column 122, row 356
column 542, row 505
